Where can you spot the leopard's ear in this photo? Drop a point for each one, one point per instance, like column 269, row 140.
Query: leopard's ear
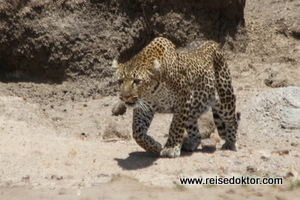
column 156, row 64
column 155, row 69
column 115, row 64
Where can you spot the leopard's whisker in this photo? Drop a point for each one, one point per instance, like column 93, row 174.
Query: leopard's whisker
column 142, row 105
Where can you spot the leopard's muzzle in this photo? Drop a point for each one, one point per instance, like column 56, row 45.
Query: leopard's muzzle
column 130, row 101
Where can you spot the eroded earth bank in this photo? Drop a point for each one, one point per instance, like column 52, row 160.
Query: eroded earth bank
column 59, row 139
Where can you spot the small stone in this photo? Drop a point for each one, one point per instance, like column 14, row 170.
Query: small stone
column 275, row 165
column 251, row 168
column 293, row 174
column 208, row 142
column 25, row 178
column 240, row 89
column 237, row 162
column 265, row 156
column 259, row 194
column 281, row 152
column 231, row 191
column 80, row 138
column 294, row 144
column 73, row 152
column 119, row 109
column 280, row 198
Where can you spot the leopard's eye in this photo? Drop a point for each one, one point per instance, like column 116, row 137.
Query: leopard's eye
column 120, row 81
column 137, row 81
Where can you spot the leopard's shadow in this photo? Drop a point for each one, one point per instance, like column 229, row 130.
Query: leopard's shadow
column 205, row 149
column 137, row 160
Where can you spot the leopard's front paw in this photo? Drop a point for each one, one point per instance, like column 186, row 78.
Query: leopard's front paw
column 156, row 148
column 171, row 152
column 229, row 146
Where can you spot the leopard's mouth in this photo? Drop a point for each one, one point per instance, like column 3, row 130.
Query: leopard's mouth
column 128, row 104
column 130, row 101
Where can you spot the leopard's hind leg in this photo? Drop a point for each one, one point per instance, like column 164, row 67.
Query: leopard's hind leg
column 227, row 127
column 194, row 137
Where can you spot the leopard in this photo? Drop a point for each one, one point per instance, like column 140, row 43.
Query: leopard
column 186, row 82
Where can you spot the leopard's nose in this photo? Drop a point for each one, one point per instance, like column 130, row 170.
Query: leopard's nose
column 124, row 98
column 128, row 99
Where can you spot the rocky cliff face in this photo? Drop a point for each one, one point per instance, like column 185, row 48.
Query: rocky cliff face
column 56, row 40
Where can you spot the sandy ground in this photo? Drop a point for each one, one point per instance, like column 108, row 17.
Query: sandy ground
column 52, row 148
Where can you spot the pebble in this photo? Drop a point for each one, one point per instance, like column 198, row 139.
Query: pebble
column 294, row 144
column 265, row 156
column 293, row 174
column 251, row 168
column 237, row 162
column 208, row 142
column 281, row 152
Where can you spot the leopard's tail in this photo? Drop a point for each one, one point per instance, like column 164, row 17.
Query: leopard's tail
column 225, row 116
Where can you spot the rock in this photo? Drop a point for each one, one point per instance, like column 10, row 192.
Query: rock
column 290, row 118
column 292, row 95
column 119, row 109
column 280, row 105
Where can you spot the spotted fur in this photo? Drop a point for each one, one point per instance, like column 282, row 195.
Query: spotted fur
column 185, row 82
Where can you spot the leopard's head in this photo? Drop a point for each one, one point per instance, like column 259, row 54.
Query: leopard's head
column 136, row 78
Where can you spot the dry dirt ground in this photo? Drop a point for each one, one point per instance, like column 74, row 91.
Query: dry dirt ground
column 64, row 149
